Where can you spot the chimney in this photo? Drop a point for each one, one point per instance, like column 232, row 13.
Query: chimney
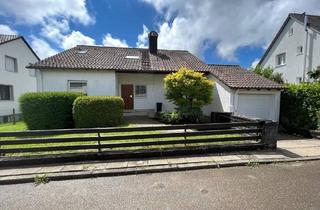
column 305, row 21
column 153, row 42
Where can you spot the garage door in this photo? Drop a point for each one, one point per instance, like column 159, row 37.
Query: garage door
column 256, row 106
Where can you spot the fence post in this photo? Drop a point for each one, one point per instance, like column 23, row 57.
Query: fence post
column 14, row 115
column 99, row 143
column 269, row 134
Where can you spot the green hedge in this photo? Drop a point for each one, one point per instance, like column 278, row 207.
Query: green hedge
column 97, row 111
column 48, row 110
column 300, row 107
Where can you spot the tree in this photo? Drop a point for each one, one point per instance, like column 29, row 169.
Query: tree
column 268, row 73
column 189, row 91
column 315, row 74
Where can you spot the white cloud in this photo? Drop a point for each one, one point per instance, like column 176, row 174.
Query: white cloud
column 143, row 38
column 76, row 38
column 39, row 11
column 5, row 29
column 54, row 30
column 255, row 62
column 226, row 25
column 108, row 40
column 53, row 17
column 42, row 48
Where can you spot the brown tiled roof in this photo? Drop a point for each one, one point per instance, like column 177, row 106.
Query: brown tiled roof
column 313, row 20
column 114, row 58
column 6, row 38
column 238, row 78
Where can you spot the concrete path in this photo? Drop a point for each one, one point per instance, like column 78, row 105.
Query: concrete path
column 288, row 150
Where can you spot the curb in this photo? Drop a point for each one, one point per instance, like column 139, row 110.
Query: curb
column 149, row 169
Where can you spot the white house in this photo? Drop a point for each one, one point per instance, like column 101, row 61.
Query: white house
column 137, row 75
column 15, row 79
column 295, row 50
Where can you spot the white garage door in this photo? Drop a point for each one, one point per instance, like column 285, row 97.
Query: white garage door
column 256, row 106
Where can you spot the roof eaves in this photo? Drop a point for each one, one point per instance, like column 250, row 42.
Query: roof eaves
column 274, row 39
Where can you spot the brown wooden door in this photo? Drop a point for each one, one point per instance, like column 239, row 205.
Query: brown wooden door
column 127, row 95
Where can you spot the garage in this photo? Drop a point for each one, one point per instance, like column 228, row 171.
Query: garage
column 244, row 93
column 257, row 106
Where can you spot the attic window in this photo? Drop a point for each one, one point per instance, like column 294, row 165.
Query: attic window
column 132, row 57
column 82, row 51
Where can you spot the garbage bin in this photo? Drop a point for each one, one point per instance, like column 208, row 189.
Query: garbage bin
column 221, row 117
column 159, row 107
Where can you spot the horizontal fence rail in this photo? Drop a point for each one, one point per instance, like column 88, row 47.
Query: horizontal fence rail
column 130, row 138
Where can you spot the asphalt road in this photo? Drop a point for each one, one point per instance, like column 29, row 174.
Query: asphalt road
column 279, row 186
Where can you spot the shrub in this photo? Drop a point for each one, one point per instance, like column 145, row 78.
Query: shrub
column 48, row 110
column 169, row 117
column 189, row 91
column 268, row 73
column 97, row 111
column 175, row 117
column 300, row 107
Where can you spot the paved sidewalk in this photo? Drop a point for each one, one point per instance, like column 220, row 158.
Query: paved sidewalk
column 288, row 150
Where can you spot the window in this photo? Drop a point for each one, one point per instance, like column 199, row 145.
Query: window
column 77, row 86
column 134, row 57
column 290, row 32
column 6, row 92
column 141, row 91
column 82, row 51
column 281, row 59
column 11, row 64
column 299, row 50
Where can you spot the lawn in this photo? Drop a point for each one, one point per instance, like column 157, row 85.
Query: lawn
column 20, row 126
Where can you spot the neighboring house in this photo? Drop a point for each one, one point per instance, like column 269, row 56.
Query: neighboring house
column 137, row 76
column 15, row 79
column 295, row 50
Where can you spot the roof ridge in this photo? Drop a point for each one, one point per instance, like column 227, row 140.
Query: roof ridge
column 293, row 13
column 138, row 48
column 212, row 64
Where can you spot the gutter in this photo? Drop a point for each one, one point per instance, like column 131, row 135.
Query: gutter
column 305, row 48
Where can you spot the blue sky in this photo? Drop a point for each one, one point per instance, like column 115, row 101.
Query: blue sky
column 222, row 32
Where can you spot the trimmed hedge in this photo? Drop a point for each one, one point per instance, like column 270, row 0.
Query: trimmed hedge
column 97, row 111
column 300, row 107
column 48, row 110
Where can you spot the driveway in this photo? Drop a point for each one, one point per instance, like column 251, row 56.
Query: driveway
column 277, row 186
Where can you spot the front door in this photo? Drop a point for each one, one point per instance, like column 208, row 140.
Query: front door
column 127, row 95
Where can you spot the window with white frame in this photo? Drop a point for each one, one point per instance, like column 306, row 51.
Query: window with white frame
column 141, row 91
column 11, row 64
column 290, row 32
column 77, row 86
column 299, row 50
column 6, row 92
column 281, row 59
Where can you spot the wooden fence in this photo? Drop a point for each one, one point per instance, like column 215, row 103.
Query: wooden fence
column 102, row 140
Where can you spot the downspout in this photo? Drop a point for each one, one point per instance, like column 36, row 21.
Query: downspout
column 305, row 48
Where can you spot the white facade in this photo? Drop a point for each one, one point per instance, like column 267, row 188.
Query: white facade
column 22, row 80
column 155, row 90
column 259, row 104
column 297, row 47
column 99, row 83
